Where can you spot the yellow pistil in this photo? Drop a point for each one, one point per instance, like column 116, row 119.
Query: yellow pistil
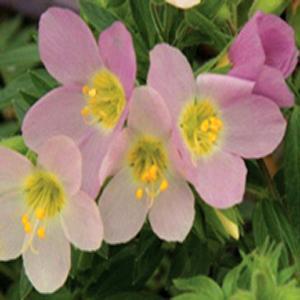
column 164, row 185
column 139, row 193
column 105, row 100
column 41, row 232
column 201, row 127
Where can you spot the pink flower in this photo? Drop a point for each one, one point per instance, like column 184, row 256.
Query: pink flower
column 216, row 122
column 146, row 179
column 43, row 210
column 265, row 52
column 184, row 4
column 91, row 106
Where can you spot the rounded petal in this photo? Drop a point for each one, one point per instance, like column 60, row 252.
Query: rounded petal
column 67, row 46
column 222, row 89
column 270, row 83
column 254, row 127
column 118, row 55
column 57, row 113
column 14, row 168
column 148, row 112
column 172, row 214
column 122, row 214
column 278, row 40
column 115, row 155
column 61, row 156
column 11, row 227
column 82, row 223
column 246, row 52
column 48, row 267
column 221, row 179
column 171, row 75
column 185, row 4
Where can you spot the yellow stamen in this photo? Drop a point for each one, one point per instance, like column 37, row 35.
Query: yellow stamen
column 153, row 172
column 145, row 177
column 85, row 111
column 27, row 227
column 212, row 137
column 164, row 185
column 92, row 92
column 40, row 213
column 25, row 219
column 204, row 125
column 139, row 193
column 85, row 90
column 41, row 232
column 93, row 101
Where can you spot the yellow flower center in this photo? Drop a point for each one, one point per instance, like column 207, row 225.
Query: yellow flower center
column 105, row 100
column 45, row 198
column 201, row 127
column 149, row 163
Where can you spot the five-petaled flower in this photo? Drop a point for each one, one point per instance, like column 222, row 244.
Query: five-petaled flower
column 91, row 106
column 43, row 210
column 217, row 121
column 265, row 52
column 146, row 178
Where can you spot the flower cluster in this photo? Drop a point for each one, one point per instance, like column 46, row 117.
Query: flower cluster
column 153, row 140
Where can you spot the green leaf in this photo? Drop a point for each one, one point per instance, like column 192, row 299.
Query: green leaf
column 25, row 286
column 22, row 56
column 96, row 14
column 21, row 107
column 269, row 6
column 292, row 166
column 42, row 81
column 15, row 143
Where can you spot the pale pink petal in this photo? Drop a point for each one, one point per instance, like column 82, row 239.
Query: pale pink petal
column 270, row 83
column 122, row 214
column 117, row 52
column 48, row 267
column 222, row 89
column 11, row 227
column 57, row 113
column 13, row 169
column 148, row 113
column 67, row 46
column 114, row 158
column 61, row 156
column 172, row 214
column 221, row 179
column 93, row 150
column 247, row 53
column 171, row 75
column 254, row 127
column 278, row 40
column 82, row 223
column 185, row 4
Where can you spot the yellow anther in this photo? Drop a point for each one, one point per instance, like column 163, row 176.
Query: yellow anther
column 139, row 193
column 204, row 125
column 145, row 176
column 40, row 213
column 92, row 92
column 85, row 111
column 153, row 172
column 93, row 101
column 27, row 227
column 215, row 123
column 164, row 185
column 212, row 137
column 85, row 90
column 41, row 232
column 25, row 219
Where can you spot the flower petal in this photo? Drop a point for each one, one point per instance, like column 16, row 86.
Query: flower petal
column 185, row 4
column 172, row 214
column 148, row 112
column 122, row 214
column 115, row 155
column 11, row 227
column 82, row 223
column 222, row 89
column 278, row 40
column 14, row 168
column 254, row 127
column 67, row 46
column 171, row 75
column 221, row 179
column 57, row 113
column 117, row 52
column 61, row 156
column 270, row 83
column 48, row 268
